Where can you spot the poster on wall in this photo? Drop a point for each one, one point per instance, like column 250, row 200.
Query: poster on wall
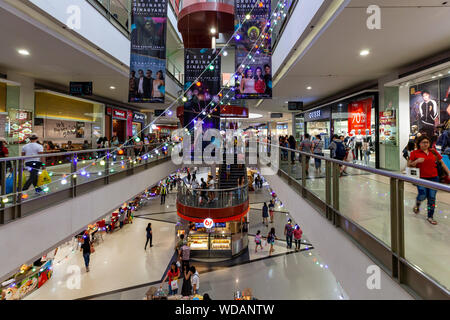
column 445, row 102
column 202, row 93
column 359, row 117
column 148, row 51
column 424, row 108
column 253, row 79
column 388, row 127
column 80, row 129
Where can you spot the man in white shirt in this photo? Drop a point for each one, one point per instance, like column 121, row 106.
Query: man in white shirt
column 33, row 149
column 195, row 280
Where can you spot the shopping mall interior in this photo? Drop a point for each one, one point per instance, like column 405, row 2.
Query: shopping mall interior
column 224, row 150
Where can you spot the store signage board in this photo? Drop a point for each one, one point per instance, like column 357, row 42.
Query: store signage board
column 388, row 127
column 120, row 114
column 81, row 88
column 295, row 105
column 208, row 223
column 138, row 117
column 276, row 115
column 320, row 114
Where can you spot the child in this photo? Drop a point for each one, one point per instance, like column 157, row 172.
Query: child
column 258, row 241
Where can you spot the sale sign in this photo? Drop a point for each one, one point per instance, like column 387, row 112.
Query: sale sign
column 359, row 113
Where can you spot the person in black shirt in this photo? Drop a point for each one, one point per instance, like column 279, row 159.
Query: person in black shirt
column 204, row 186
column 149, row 236
column 86, row 248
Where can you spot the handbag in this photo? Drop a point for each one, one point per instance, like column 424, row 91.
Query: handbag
column 174, row 284
column 439, row 167
column 92, row 249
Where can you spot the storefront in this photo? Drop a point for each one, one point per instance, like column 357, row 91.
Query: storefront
column 138, row 124
column 416, row 104
column 211, row 239
column 116, row 124
column 60, row 118
column 354, row 117
column 318, row 122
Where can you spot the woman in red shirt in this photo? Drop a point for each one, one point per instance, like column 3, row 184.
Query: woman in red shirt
column 425, row 158
column 173, row 275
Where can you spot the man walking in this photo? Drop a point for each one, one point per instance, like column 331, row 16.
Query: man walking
column 163, row 194
column 289, row 232
column 32, row 149
column 185, row 256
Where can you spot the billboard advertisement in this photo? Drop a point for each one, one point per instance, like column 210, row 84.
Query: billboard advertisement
column 148, row 51
column 359, row 116
column 253, row 78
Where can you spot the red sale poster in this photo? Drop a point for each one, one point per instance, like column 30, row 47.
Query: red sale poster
column 359, row 113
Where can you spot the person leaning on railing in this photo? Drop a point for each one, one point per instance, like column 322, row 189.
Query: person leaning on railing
column 427, row 160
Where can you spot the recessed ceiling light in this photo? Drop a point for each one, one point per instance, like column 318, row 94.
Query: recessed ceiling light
column 112, row 88
column 213, row 30
column 440, row 74
column 309, row 88
column 433, row 77
column 364, row 52
column 24, row 52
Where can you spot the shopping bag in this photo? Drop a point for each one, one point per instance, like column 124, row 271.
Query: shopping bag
column 92, row 249
column 174, row 284
column 44, row 178
column 413, row 172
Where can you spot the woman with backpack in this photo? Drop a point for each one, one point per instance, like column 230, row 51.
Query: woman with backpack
column 271, row 237
column 318, row 151
column 258, row 241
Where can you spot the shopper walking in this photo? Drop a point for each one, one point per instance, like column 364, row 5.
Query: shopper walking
column 305, row 146
column 265, row 214
column 34, row 164
column 289, row 232
column 318, row 151
column 122, row 216
column 292, row 145
column 297, row 237
column 258, row 241
column 186, row 289
column 173, row 274
column 87, row 248
column 271, row 210
column 149, row 236
column 180, row 244
column 195, row 280
column 271, row 237
column 185, row 256
column 163, row 193
column 427, row 160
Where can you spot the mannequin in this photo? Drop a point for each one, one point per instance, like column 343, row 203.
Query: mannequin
column 358, row 145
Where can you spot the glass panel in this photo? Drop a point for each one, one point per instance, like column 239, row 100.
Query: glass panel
column 316, row 180
column 364, row 198
column 426, row 245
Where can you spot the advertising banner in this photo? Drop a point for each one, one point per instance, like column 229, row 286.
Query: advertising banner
column 445, row 102
column 204, row 91
column 253, row 79
column 359, row 113
column 424, row 108
column 388, row 127
column 148, row 51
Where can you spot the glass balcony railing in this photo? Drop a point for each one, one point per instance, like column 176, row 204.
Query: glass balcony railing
column 211, row 198
column 379, row 204
column 24, row 179
column 116, row 11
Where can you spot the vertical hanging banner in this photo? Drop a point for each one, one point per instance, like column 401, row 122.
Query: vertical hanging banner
column 203, row 91
column 359, row 116
column 148, row 51
column 253, row 78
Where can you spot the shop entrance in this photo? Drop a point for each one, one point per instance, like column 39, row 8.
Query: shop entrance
column 320, row 127
column 120, row 129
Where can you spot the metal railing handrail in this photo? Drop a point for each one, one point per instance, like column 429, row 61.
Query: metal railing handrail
column 217, row 190
column 69, row 153
column 425, row 183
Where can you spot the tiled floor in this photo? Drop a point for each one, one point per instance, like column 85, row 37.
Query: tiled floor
column 121, row 269
column 365, row 199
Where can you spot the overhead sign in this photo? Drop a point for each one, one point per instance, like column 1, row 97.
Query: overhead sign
column 276, row 115
column 138, row 117
column 319, row 114
column 81, row 88
column 121, row 114
column 208, row 223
